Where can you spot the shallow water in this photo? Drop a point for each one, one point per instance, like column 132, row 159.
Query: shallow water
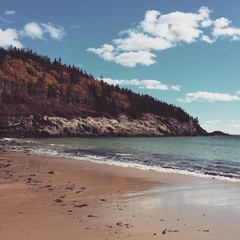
column 215, row 157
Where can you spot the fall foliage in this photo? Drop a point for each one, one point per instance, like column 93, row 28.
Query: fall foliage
column 31, row 84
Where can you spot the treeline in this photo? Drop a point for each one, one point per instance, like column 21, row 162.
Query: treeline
column 33, row 84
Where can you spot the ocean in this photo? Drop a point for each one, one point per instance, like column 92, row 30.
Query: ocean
column 215, row 157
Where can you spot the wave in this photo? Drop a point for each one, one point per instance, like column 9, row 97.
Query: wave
column 207, row 174
column 212, row 168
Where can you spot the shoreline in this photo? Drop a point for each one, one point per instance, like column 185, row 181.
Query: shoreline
column 147, row 124
column 73, row 198
column 24, row 145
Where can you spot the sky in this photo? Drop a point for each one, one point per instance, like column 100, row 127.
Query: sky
column 183, row 52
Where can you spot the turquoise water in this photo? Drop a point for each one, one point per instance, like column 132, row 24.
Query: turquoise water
column 217, row 157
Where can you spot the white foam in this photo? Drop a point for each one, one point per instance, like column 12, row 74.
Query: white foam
column 9, row 139
column 47, row 152
column 100, row 160
column 124, row 154
column 162, row 170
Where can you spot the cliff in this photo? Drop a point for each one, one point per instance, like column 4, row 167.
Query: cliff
column 147, row 125
column 40, row 97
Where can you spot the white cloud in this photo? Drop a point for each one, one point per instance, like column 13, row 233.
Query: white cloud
column 10, row 12
column 176, row 26
column 236, row 38
column 222, row 22
column 206, row 23
column 209, row 97
column 38, row 31
column 105, row 52
column 137, row 41
column 127, row 59
column 151, row 84
column 9, row 37
column 228, row 31
column 56, row 33
column 32, row 30
column 207, row 39
column 176, row 88
column 131, row 59
column 158, row 32
column 222, row 28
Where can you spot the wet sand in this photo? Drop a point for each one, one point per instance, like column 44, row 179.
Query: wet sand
column 55, row 198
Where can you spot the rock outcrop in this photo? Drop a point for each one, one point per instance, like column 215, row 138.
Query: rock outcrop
column 147, row 125
column 218, row 133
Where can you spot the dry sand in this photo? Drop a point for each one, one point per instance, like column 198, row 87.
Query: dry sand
column 43, row 198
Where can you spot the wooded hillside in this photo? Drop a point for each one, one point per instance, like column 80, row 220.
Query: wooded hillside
column 31, row 84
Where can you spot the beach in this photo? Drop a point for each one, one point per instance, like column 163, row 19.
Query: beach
column 44, row 197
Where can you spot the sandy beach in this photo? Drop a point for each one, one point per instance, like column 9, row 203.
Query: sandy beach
column 56, row 198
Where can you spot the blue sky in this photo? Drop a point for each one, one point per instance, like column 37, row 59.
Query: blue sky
column 182, row 52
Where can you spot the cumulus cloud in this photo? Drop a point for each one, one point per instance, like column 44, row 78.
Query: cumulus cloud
column 176, row 26
column 127, row 59
column 38, row 31
column 222, row 28
column 9, row 37
column 56, row 33
column 209, row 97
column 131, row 59
column 158, row 32
column 32, row 30
column 137, row 41
column 10, row 12
column 207, row 39
column 176, row 88
column 105, row 52
column 150, row 84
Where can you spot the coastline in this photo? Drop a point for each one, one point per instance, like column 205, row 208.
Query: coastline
column 56, row 198
column 122, row 126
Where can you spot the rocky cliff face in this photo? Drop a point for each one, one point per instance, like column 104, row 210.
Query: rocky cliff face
column 79, row 105
column 147, row 125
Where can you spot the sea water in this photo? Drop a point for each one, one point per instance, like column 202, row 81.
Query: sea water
column 211, row 157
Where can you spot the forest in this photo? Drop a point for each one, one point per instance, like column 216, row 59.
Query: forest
column 31, row 84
